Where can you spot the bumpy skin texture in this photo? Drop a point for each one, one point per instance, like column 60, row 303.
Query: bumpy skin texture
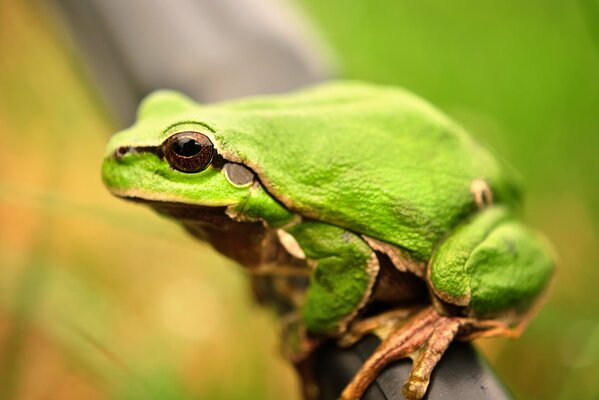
column 372, row 159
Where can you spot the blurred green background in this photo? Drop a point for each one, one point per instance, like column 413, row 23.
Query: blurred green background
column 102, row 299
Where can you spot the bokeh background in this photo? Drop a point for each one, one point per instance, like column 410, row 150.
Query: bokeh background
column 100, row 299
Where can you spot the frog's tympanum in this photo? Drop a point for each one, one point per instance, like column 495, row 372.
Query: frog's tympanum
column 355, row 208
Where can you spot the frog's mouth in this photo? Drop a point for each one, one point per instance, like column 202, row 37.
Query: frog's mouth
column 214, row 215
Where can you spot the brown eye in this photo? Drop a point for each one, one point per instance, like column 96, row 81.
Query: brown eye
column 188, row 151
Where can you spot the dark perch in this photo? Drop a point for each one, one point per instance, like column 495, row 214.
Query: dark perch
column 104, row 30
column 461, row 374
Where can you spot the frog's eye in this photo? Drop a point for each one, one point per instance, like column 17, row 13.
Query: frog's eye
column 188, row 151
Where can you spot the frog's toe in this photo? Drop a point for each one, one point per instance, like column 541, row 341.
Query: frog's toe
column 415, row 389
column 424, row 337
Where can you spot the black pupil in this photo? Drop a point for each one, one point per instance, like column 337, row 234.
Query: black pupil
column 186, row 147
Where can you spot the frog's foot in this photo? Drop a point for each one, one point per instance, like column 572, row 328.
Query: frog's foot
column 297, row 344
column 424, row 338
column 381, row 325
column 471, row 328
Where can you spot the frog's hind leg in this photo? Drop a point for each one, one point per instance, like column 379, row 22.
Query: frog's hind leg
column 424, row 337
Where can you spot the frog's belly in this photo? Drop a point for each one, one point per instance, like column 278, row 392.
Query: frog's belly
column 395, row 287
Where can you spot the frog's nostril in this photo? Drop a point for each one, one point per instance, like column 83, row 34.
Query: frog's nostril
column 120, row 152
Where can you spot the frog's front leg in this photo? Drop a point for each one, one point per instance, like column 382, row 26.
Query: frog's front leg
column 344, row 269
column 343, row 275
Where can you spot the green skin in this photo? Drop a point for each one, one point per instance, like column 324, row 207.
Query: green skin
column 336, row 165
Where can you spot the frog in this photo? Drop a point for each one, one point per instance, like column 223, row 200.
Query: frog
column 383, row 215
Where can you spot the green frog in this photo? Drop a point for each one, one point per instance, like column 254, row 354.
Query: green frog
column 370, row 210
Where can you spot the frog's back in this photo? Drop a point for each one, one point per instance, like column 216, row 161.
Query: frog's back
column 372, row 159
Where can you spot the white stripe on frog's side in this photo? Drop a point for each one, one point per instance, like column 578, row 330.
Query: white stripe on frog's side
column 141, row 195
column 483, row 196
column 290, row 244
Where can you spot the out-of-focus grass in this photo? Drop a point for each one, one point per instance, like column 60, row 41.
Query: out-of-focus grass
column 524, row 77
column 98, row 298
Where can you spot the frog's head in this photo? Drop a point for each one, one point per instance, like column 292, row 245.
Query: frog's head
column 169, row 158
